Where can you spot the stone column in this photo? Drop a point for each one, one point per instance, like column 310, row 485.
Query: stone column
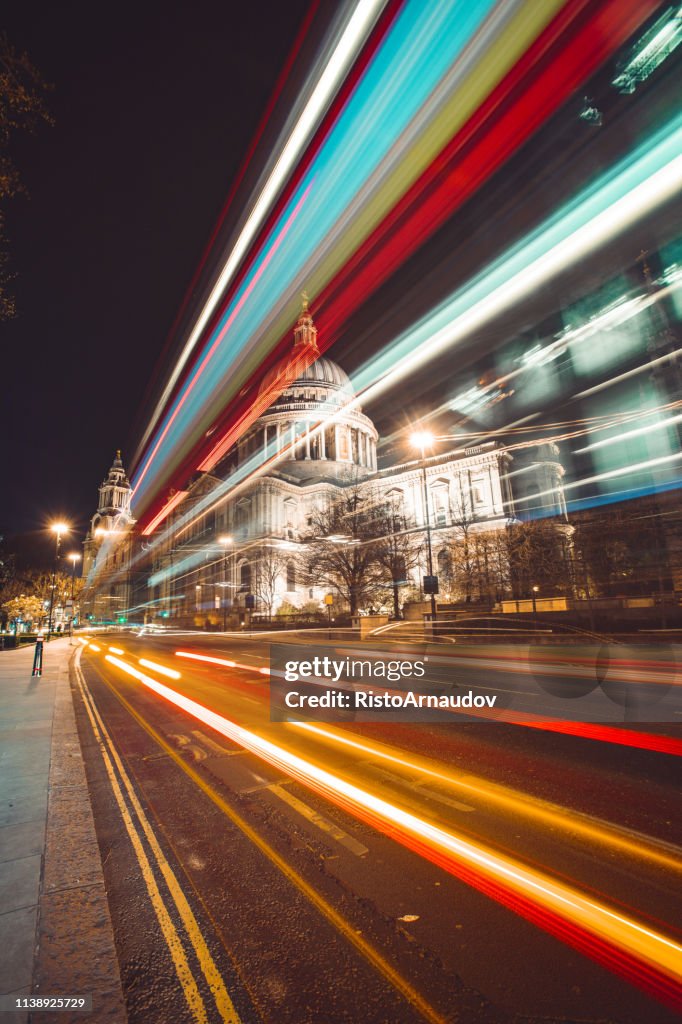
column 307, row 439
column 323, row 447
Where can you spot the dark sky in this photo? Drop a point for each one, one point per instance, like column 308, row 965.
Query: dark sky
column 154, row 107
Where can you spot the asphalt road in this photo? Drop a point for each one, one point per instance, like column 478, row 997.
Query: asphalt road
column 249, row 881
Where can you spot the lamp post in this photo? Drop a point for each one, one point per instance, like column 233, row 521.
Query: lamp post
column 422, row 440
column 58, row 529
column 534, row 592
column 74, row 557
column 225, row 541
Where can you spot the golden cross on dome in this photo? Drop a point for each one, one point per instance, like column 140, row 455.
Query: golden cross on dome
column 304, row 297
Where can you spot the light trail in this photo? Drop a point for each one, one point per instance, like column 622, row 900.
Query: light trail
column 155, row 667
column 420, row 92
column 632, row 469
column 635, row 188
column 222, row 662
column 352, row 38
column 646, row 957
column 637, row 432
column 541, row 811
column 416, row 53
column 628, row 194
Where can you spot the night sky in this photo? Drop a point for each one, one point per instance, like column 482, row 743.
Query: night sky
column 154, row 112
column 154, row 107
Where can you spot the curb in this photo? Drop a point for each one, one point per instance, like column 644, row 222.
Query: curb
column 75, row 952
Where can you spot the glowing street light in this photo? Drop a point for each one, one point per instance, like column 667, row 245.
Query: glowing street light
column 74, row 557
column 226, row 541
column 58, row 529
column 423, row 439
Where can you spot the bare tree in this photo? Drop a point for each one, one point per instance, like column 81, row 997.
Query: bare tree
column 538, row 557
column 341, row 547
column 396, row 549
column 462, row 551
column 269, row 567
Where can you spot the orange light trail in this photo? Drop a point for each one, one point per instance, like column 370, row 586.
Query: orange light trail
column 155, row 667
column 508, row 800
column 221, row 661
column 165, row 511
column 583, row 730
column 644, row 956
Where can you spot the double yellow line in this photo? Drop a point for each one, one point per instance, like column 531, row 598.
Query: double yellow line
column 336, row 920
column 138, row 827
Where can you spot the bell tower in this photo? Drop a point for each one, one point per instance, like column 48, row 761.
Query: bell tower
column 113, row 514
column 305, row 331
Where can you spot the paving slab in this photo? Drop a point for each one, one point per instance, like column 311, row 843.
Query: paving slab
column 50, row 867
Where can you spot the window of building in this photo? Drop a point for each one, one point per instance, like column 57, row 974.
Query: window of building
column 245, row 577
column 291, row 575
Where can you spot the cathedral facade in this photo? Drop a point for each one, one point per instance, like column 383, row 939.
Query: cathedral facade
column 236, row 541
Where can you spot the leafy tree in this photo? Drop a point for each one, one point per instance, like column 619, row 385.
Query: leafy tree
column 26, row 608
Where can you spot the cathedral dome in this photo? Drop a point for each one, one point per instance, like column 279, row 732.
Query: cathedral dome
column 322, row 371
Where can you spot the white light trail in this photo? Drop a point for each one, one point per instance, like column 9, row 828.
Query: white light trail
column 631, row 433
column 637, row 203
column 352, row 39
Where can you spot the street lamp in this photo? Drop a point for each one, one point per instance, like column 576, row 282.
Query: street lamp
column 74, row 557
column 226, row 541
column 422, row 440
column 58, row 529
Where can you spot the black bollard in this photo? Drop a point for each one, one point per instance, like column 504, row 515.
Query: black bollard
column 38, row 657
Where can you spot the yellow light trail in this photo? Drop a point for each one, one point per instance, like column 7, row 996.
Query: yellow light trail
column 534, row 808
column 645, row 956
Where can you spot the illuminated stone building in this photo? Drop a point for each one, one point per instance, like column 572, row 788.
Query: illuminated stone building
column 310, row 444
column 107, row 549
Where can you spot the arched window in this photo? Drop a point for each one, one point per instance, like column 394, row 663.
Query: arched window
column 245, row 577
column 291, row 575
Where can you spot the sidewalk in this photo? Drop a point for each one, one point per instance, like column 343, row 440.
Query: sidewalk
column 55, row 929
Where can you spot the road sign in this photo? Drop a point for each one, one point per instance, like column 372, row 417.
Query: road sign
column 329, row 599
column 430, row 584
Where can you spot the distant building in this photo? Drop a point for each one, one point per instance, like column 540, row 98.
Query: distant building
column 107, row 549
